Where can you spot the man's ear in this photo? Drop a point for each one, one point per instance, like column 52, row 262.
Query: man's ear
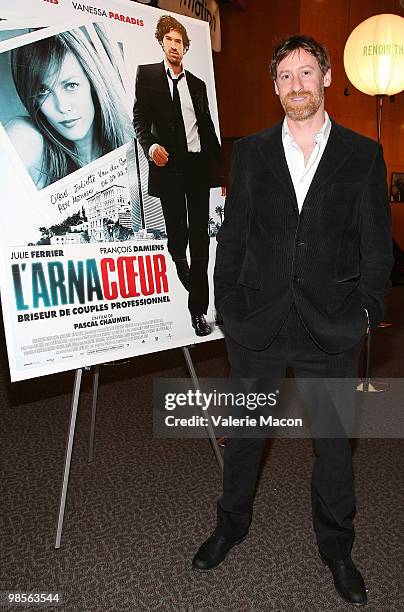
column 327, row 78
column 276, row 88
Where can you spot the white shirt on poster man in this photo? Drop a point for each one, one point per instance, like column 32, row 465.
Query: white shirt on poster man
column 187, row 108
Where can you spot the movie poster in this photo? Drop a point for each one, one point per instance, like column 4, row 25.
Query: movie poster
column 86, row 258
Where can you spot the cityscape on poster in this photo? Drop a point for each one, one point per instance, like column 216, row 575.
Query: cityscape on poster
column 86, row 275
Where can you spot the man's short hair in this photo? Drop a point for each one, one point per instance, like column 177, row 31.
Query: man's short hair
column 293, row 43
column 165, row 24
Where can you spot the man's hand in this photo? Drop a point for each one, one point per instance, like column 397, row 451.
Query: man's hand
column 159, row 155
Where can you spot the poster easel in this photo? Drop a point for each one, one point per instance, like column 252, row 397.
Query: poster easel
column 72, row 427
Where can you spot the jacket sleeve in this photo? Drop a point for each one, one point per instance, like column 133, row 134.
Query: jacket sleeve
column 231, row 239
column 142, row 119
column 375, row 240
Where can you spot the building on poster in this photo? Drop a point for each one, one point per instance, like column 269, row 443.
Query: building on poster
column 147, row 211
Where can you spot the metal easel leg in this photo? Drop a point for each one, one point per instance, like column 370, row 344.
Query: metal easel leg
column 96, row 376
column 68, row 458
column 368, row 385
column 367, row 365
column 211, row 433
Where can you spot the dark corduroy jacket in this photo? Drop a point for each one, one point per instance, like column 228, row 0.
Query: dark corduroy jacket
column 333, row 259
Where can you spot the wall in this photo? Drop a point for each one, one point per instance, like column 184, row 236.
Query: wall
column 327, row 20
column 245, row 91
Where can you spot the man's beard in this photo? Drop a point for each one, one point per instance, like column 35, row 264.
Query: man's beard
column 175, row 60
column 298, row 111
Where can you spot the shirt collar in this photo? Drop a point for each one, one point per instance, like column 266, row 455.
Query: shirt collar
column 321, row 136
column 168, row 69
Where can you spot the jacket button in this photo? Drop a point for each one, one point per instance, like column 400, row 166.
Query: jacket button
column 300, row 244
column 297, row 278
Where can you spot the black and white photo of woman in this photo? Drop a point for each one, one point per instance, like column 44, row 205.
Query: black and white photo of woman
column 76, row 112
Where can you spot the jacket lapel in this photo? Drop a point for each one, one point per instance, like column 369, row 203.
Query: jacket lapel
column 164, row 88
column 336, row 152
column 271, row 150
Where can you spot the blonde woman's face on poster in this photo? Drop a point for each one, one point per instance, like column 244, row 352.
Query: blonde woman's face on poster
column 67, row 101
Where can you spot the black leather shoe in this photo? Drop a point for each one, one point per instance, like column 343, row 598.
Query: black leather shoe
column 200, row 325
column 348, row 580
column 213, row 551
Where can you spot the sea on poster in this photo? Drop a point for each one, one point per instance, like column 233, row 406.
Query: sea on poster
column 85, row 273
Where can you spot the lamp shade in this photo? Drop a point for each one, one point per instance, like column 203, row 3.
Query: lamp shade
column 374, row 55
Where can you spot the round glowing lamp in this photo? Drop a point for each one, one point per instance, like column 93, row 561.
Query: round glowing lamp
column 374, row 55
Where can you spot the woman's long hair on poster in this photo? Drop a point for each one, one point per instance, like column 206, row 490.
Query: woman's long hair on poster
column 32, row 63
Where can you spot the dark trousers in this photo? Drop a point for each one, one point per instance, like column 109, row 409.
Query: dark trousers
column 186, row 214
column 332, row 487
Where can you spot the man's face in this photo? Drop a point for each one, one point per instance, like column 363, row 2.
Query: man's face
column 173, row 47
column 300, row 85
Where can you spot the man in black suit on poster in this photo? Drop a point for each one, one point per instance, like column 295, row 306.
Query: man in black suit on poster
column 302, row 268
column 173, row 125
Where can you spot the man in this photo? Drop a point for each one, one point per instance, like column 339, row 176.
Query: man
column 302, row 269
column 174, row 127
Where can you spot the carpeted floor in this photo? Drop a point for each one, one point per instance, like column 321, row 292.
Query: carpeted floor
column 136, row 515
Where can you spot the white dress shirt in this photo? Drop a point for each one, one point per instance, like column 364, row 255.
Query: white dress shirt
column 302, row 174
column 188, row 112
